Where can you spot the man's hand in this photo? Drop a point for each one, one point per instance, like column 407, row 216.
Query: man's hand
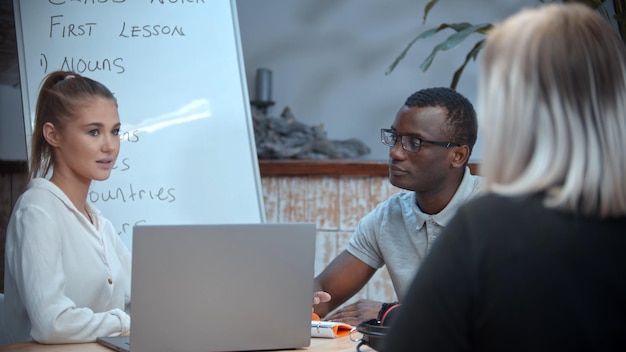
column 356, row 313
column 319, row 297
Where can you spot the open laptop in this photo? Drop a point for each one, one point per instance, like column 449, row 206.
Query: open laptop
column 220, row 288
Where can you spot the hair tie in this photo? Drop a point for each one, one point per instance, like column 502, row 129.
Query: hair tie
column 68, row 77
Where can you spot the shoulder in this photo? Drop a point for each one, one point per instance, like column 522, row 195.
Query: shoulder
column 501, row 210
column 42, row 193
column 397, row 203
column 42, row 198
column 490, row 200
column 476, row 184
column 40, row 190
column 394, row 210
column 37, row 193
column 470, row 187
column 483, row 221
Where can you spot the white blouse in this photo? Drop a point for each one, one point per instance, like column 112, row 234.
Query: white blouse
column 66, row 279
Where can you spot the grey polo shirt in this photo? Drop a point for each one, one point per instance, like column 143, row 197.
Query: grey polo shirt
column 398, row 234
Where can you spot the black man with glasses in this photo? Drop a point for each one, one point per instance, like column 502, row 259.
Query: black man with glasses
column 430, row 142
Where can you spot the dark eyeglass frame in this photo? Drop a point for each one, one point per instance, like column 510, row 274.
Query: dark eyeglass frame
column 406, row 143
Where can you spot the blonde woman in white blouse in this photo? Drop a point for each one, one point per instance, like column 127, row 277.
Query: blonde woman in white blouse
column 67, row 274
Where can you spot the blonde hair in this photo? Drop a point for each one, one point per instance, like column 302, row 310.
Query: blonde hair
column 552, row 105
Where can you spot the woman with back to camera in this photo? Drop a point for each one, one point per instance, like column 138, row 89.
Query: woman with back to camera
column 67, row 274
column 538, row 263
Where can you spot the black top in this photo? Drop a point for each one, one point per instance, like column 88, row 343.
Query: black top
column 509, row 274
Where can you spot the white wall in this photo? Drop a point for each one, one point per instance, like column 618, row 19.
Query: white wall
column 329, row 57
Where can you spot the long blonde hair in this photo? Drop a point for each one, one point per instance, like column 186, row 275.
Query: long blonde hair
column 552, row 106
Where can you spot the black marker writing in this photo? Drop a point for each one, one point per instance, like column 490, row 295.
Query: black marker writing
column 133, row 195
column 128, row 228
column 69, row 30
column 149, row 30
column 83, row 65
column 43, row 62
column 177, row 1
column 84, row 2
column 132, row 136
column 124, row 167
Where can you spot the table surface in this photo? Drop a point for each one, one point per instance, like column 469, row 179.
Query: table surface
column 341, row 344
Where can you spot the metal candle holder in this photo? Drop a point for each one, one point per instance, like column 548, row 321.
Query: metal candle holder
column 263, row 90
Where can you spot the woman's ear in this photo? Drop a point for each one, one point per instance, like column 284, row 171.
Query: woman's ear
column 460, row 156
column 51, row 134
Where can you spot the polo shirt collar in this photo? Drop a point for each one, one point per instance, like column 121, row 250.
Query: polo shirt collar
column 461, row 196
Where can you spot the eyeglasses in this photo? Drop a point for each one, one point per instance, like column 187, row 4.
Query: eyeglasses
column 409, row 143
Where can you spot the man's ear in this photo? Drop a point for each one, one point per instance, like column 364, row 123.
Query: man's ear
column 51, row 134
column 460, row 156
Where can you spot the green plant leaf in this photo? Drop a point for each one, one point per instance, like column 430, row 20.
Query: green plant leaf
column 597, row 5
column 424, row 34
column 473, row 54
column 459, row 27
column 593, row 3
column 464, row 29
column 453, row 41
column 620, row 17
column 428, row 7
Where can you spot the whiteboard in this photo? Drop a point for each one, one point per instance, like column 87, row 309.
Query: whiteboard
column 187, row 154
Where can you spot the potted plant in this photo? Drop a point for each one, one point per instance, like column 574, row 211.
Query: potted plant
column 463, row 30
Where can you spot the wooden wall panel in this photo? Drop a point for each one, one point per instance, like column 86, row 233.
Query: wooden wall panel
column 381, row 189
column 325, row 249
column 6, row 205
column 380, row 288
column 292, row 196
column 11, row 186
column 6, row 200
column 323, row 202
column 270, row 198
column 355, row 200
